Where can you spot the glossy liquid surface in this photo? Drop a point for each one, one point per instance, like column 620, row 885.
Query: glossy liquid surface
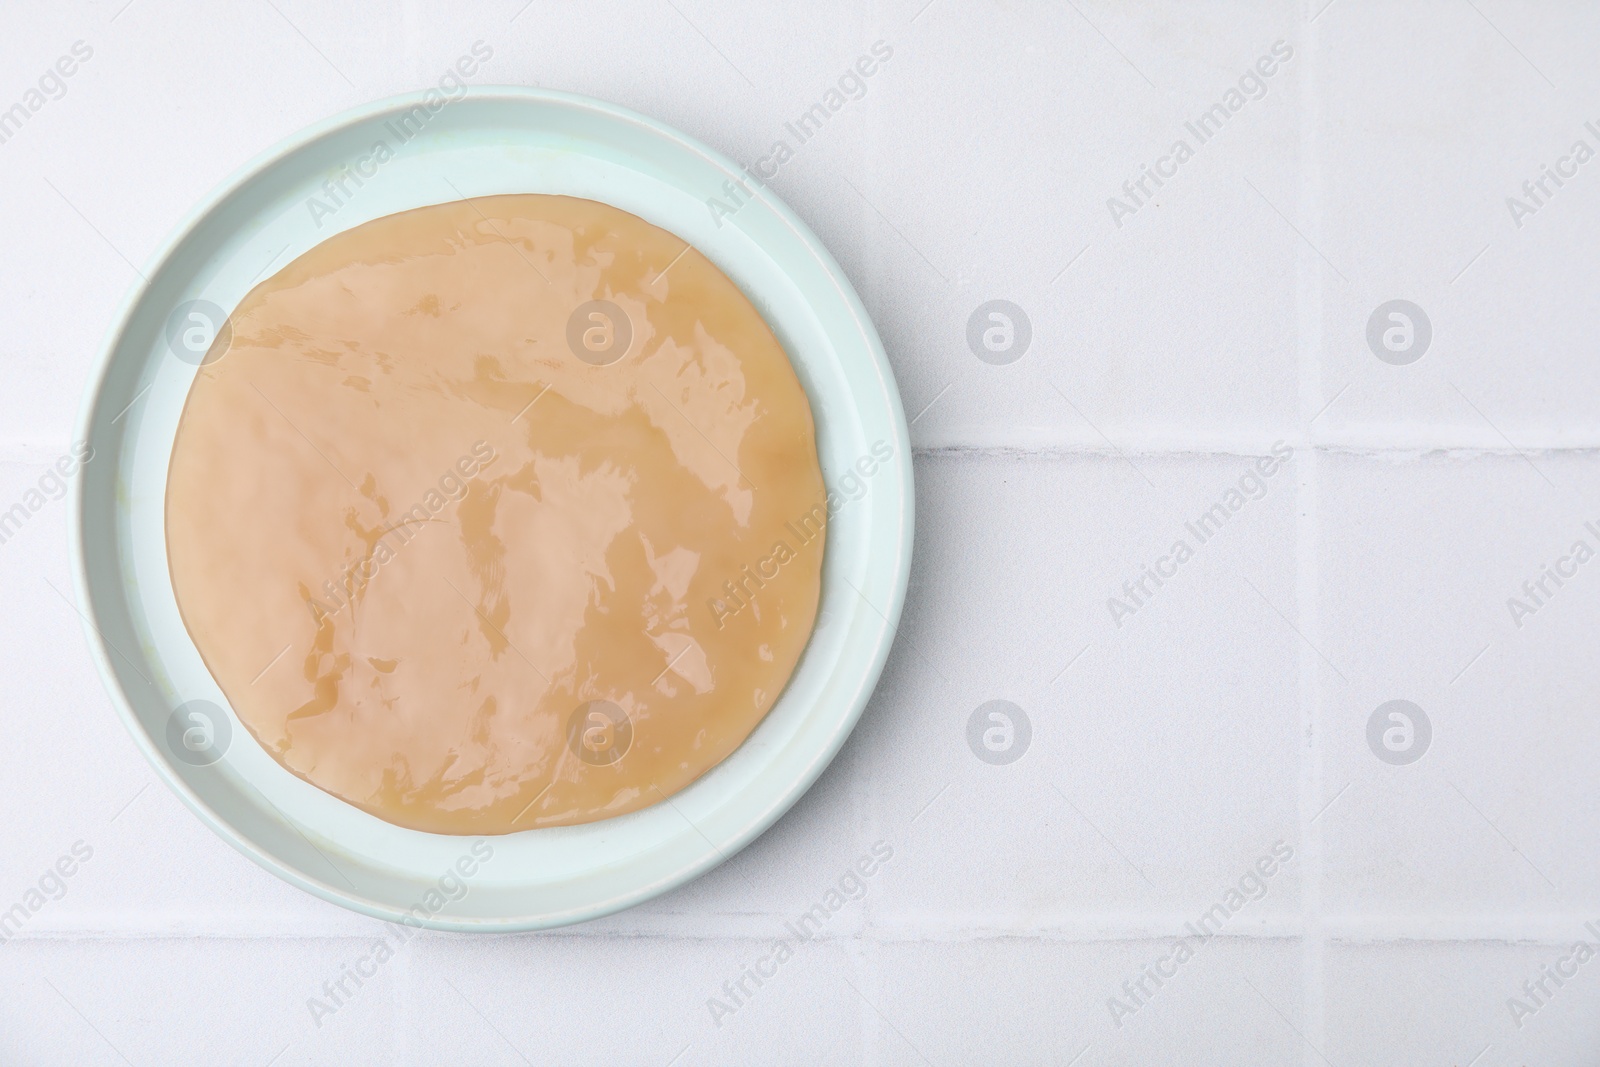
column 478, row 555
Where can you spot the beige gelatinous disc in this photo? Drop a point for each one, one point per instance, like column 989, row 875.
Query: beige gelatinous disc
column 498, row 514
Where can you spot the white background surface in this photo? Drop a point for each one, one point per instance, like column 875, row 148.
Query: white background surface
column 1167, row 753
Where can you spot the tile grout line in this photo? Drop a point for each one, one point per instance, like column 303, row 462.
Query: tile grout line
column 871, row 1041
column 1308, row 594
column 1166, row 446
column 1307, row 573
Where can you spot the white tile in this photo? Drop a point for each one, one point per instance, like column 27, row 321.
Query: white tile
column 1045, row 1002
column 584, row 1000
column 1394, row 1005
column 1160, row 764
column 1419, row 559
column 1412, row 186
column 196, row 1001
column 999, row 197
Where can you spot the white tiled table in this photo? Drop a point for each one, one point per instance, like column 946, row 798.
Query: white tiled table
column 1169, row 753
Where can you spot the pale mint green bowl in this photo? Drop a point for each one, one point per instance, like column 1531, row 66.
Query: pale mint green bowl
column 492, row 140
